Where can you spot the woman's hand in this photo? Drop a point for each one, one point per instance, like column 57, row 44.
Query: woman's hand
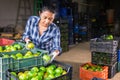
column 27, row 40
column 56, row 53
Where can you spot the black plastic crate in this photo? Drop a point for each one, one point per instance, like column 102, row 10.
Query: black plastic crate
column 108, row 46
column 112, row 70
column 103, row 58
column 67, row 76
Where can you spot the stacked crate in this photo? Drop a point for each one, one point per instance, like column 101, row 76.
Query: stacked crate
column 64, row 35
column 104, row 52
column 63, row 25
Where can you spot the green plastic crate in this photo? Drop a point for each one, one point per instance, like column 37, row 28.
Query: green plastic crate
column 14, row 64
column 26, row 62
column 67, row 67
column 4, row 65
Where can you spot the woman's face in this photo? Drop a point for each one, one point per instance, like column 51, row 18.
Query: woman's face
column 47, row 18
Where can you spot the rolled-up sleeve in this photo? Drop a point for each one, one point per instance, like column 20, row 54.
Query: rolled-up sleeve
column 56, row 39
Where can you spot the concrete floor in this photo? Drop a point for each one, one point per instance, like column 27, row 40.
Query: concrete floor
column 80, row 54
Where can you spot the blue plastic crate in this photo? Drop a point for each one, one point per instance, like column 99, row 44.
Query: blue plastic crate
column 118, row 54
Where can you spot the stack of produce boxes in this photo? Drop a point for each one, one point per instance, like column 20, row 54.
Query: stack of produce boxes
column 104, row 52
column 16, row 58
column 63, row 25
column 64, row 36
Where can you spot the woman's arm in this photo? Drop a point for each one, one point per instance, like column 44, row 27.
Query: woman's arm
column 56, row 40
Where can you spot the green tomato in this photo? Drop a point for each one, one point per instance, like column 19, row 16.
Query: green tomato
column 34, row 69
column 13, row 56
column 46, row 58
column 1, row 48
column 6, row 56
column 17, row 46
column 30, row 45
column 42, row 68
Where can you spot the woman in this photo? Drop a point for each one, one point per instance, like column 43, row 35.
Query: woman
column 43, row 32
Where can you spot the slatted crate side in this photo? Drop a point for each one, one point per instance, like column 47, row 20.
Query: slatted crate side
column 27, row 62
column 118, row 67
column 4, row 65
column 104, row 46
column 103, row 58
column 88, row 75
column 112, row 70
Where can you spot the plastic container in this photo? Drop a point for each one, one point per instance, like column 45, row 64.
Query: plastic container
column 118, row 55
column 17, row 64
column 103, row 58
column 4, row 41
column 26, row 62
column 66, row 76
column 4, row 65
column 108, row 46
column 118, row 68
column 89, row 75
column 112, row 70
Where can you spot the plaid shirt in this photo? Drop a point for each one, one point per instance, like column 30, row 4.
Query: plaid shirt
column 49, row 40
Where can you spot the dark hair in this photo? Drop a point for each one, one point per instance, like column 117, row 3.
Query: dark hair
column 48, row 8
